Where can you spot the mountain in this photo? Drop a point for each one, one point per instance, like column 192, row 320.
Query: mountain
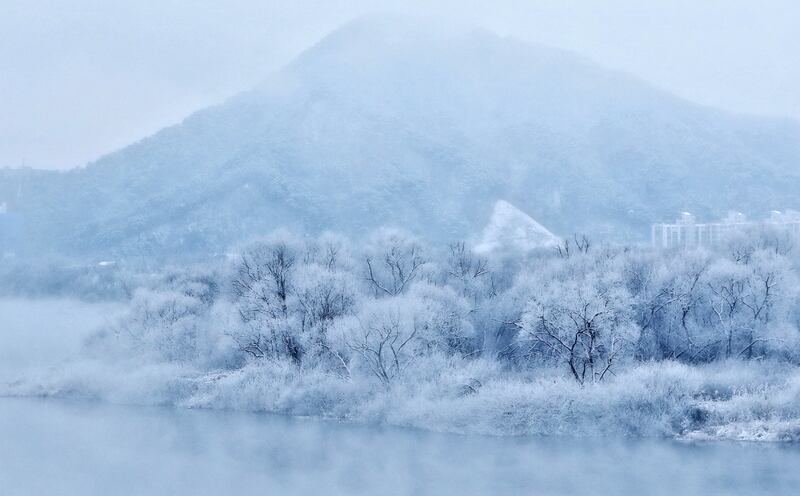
column 388, row 122
column 510, row 229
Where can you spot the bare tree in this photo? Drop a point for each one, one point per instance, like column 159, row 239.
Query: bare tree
column 726, row 304
column 563, row 249
column 759, row 298
column 398, row 266
column 580, row 323
column 271, row 264
column 469, row 272
column 262, row 284
column 582, row 244
column 462, row 264
column 383, row 344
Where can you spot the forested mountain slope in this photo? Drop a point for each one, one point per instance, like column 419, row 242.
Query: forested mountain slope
column 383, row 122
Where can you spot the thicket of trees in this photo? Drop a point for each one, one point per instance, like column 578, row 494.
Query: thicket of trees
column 395, row 303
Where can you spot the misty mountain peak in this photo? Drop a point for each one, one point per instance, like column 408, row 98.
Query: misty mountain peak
column 393, row 122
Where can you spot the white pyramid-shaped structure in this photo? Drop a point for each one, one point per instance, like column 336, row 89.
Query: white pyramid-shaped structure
column 512, row 229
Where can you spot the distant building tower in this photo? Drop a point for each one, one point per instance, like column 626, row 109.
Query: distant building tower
column 681, row 234
column 686, row 233
column 734, row 217
column 686, row 218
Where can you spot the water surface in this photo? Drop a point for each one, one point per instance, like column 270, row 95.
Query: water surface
column 79, row 448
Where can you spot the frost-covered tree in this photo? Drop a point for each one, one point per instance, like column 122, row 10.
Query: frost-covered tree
column 727, row 285
column 332, row 251
column 389, row 334
column 321, row 295
column 394, row 306
column 261, row 284
column 468, row 273
column 393, row 261
column 770, row 284
column 666, row 292
column 581, row 319
column 384, row 337
column 168, row 323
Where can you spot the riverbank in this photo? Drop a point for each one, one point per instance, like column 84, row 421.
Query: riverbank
column 45, row 354
column 729, row 400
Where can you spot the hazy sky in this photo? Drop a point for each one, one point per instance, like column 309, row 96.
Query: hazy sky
column 80, row 78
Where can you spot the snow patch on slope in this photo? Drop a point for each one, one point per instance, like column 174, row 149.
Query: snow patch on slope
column 512, row 229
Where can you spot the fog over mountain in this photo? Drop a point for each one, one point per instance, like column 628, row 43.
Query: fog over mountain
column 384, row 122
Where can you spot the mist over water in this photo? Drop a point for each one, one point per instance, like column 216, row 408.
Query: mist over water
column 37, row 334
column 92, row 448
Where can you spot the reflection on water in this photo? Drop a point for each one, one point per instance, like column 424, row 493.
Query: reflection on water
column 72, row 448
